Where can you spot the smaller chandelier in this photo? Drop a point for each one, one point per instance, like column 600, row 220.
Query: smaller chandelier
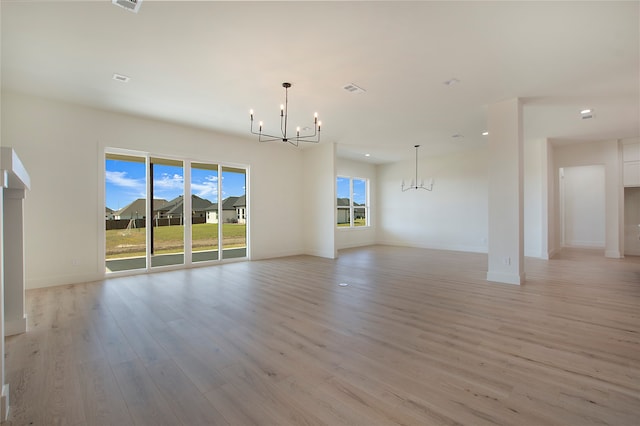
column 414, row 183
column 285, row 136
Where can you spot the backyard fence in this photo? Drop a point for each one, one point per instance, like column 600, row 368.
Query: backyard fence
column 141, row 223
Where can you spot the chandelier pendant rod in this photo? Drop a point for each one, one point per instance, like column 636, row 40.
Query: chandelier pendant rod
column 416, row 166
column 285, row 111
column 414, row 184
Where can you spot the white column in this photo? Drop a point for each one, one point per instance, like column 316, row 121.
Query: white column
column 4, row 394
column 506, row 199
column 14, row 301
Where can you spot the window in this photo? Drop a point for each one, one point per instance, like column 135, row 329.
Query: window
column 352, row 203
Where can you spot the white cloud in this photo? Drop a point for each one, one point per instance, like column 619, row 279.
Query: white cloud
column 169, row 182
column 121, row 179
column 207, row 188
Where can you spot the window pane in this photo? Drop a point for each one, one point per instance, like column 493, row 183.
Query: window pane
column 344, row 218
column 204, row 216
column 234, row 217
column 359, row 192
column 343, row 192
column 359, row 216
column 167, row 232
column 125, row 201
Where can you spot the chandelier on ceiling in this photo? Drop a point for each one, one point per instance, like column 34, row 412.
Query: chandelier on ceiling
column 414, row 183
column 285, row 135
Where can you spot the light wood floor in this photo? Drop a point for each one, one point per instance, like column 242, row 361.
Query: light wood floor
column 418, row 337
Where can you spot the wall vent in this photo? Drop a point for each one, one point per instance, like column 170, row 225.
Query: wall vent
column 131, row 5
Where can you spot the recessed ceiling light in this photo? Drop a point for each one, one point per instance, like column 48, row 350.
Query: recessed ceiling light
column 367, row 155
column 121, row 78
column 485, row 133
column 585, row 111
column 457, row 136
column 451, row 82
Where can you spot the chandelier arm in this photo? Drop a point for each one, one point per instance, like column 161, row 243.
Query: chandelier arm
column 262, row 137
column 315, row 133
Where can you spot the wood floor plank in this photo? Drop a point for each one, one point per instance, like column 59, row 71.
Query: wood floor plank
column 146, row 404
column 103, row 402
column 182, row 395
column 417, row 337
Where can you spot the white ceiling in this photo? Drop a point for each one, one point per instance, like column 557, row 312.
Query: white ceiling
column 207, row 63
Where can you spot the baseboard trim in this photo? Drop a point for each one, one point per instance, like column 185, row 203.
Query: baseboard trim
column 613, row 254
column 13, row 327
column 553, row 252
column 413, row 244
column 4, row 403
column 506, row 278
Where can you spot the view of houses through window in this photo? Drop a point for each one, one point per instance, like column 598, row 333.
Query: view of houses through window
column 352, row 202
column 218, row 212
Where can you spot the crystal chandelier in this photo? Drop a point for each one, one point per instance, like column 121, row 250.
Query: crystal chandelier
column 285, row 136
column 414, row 183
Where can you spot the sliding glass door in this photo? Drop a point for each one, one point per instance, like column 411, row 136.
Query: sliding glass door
column 168, row 215
column 125, row 212
column 150, row 223
column 204, row 205
column 234, row 213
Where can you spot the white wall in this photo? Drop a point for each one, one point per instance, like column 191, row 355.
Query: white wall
column 583, row 206
column 535, row 197
column 631, row 159
column 319, row 215
column 360, row 236
column 453, row 216
column 608, row 154
column 62, row 146
column 632, row 221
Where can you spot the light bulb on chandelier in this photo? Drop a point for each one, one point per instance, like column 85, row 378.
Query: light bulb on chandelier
column 284, row 116
column 414, row 183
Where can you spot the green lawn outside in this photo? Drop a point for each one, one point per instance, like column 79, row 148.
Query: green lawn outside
column 357, row 222
column 169, row 239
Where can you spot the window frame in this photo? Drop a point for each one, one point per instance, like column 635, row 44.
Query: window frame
column 352, row 207
column 187, row 164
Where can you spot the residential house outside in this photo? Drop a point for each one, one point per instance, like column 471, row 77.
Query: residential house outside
column 234, row 210
column 175, row 208
column 137, row 209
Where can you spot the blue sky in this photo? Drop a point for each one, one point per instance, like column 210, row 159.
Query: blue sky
column 359, row 189
column 125, row 182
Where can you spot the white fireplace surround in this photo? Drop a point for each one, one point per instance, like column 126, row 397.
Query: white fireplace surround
column 14, row 183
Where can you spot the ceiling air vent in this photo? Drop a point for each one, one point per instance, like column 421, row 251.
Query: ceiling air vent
column 132, row 5
column 586, row 114
column 352, row 88
column 121, row 78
